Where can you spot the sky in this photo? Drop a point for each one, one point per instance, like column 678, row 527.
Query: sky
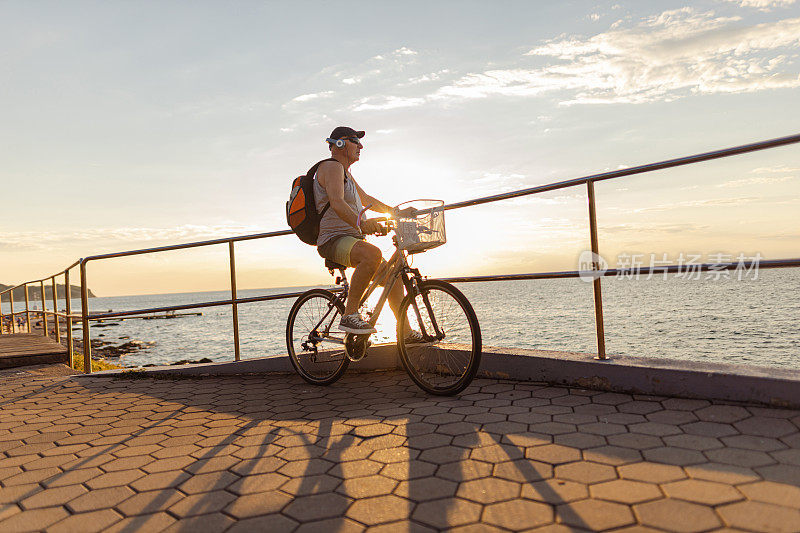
column 128, row 125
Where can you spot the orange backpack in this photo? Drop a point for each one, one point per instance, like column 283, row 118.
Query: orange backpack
column 301, row 209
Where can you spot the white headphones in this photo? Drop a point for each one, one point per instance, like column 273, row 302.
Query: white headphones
column 339, row 143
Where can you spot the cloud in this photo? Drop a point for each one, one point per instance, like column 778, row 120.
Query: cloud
column 373, row 103
column 129, row 236
column 717, row 202
column 755, row 181
column 431, row 76
column 312, row 96
column 660, row 228
column 662, row 57
column 775, row 170
column 763, row 5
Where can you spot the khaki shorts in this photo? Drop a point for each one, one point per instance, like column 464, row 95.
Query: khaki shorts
column 337, row 249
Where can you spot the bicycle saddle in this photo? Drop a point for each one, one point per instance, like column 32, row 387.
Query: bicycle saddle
column 330, row 265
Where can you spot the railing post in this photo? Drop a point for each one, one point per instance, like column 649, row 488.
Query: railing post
column 44, row 308
column 13, row 317
column 235, row 306
column 598, row 296
column 87, row 341
column 57, row 327
column 2, row 316
column 27, row 308
column 67, row 296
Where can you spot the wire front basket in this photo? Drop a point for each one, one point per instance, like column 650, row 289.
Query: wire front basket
column 421, row 229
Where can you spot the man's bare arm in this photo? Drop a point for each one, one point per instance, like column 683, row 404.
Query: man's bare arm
column 331, row 177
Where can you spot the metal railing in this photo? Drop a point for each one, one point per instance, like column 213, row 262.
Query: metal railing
column 44, row 314
column 596, row 273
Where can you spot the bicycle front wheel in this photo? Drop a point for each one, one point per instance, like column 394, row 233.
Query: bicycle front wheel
column 448, row 356
column 316, row 354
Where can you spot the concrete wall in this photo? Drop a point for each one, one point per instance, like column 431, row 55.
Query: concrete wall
column 686, row 379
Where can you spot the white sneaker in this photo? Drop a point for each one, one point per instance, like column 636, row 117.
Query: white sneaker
column 356, row 325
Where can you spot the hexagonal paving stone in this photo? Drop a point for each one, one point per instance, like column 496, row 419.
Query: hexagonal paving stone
column 305, row 485
column 709, row 429
column 705, row 492
column 258, row 483
column 150, row 502
column 443, row 454
column 625, row 491
column 518, row 514
column 758, row 516
column 765, row 427
column 580, row 441
column 677, row 515
column 380, row 509
column 781, row 473
column 612, row 455
column 317, row 506
column 693, row 442
column 206, row 522
column 651, row 472
column 366, row 487
column 208, row 482
column 791, row 457
column 262, row 503
column 95, row 521
column 429, row 488
column 594, row 515
column 115, row 479
column 36, row 519
column 722, row 413
column 553, row 454
column 674, row 456
column 273, row 523
column 52, row 497
column 413, row 470
column 635, row 441
column 602, row 428
column 554, row 491
column 611, row 398
column 639, row 407
column 585, row 472
column 771, row 492
column 655, row 429
column 752, row 442
column 522, row 471
column 739, row 457
column 461, row 471
column 672, row 417
column 722, row 473
column 489, row 490
column 447, row 513
column 100, row 499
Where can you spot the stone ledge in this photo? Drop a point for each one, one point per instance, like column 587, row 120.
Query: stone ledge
column 640, row 375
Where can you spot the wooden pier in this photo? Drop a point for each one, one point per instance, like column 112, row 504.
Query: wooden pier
column 24, row 349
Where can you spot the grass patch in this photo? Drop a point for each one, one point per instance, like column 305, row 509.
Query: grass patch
column 97, row 364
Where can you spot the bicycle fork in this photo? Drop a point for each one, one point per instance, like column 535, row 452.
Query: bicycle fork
column 412, row 281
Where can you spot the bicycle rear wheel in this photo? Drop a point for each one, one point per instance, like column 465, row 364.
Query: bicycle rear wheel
column 313, row 319
column 446, row 362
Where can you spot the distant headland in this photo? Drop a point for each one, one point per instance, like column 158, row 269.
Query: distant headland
column 35, row 292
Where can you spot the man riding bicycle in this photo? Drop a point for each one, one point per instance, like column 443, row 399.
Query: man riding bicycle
column 343, row 227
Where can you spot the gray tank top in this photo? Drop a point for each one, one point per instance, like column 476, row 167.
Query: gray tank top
column 331, row 225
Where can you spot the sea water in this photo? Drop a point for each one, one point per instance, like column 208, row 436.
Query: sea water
column 748, row 321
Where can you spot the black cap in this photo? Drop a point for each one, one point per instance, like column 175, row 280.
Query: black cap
column 343, row 131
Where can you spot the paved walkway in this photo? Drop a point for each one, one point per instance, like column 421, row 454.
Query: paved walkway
column 269, row 453
column 24, row 349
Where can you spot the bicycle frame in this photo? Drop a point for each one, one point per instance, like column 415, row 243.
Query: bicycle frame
column 395, row 268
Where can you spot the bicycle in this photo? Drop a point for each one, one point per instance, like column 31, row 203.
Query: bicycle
column 447, row 358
